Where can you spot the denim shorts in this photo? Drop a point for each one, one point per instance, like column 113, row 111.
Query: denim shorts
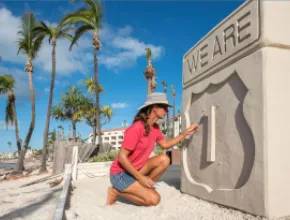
column 122, row 180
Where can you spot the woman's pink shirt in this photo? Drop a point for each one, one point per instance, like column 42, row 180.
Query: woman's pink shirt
column 140, row 146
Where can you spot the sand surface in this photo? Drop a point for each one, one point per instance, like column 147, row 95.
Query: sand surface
column 88, row 199
column 33, row 202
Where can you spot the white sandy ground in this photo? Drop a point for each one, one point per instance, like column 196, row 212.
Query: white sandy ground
column 35, row 202
column 88, row 199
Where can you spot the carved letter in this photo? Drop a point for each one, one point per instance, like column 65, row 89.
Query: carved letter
column 219, row 49
column 245, row 26
column 203, row 55
column 211, row 149
column 229, row 36
column 193, row 63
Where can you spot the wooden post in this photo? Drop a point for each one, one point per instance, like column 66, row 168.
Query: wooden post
column 74, row 163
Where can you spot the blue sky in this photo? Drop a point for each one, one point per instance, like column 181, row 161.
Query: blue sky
column 169, row 28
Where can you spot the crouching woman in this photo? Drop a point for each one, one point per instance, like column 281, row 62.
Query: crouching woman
column 133, row 173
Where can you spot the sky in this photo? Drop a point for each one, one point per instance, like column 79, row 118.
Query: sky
column 169, row 28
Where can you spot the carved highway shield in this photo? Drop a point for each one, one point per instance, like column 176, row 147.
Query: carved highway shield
column 221, row 154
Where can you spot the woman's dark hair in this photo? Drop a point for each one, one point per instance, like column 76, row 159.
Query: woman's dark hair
column 143, row 116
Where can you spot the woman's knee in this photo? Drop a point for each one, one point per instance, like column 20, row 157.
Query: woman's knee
column 153, row 199
column 164, row 160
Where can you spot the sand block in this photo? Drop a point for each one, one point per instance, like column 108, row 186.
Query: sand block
column 237, row 78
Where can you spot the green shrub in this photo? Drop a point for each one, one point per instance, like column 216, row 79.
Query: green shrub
column 37, row 152
column 105, row 157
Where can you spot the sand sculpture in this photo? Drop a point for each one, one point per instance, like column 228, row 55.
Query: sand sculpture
column 236, row 81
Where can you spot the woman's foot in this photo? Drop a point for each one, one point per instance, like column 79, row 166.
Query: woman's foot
column 112, row 196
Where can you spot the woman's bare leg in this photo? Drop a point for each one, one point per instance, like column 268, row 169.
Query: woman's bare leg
column 113, row 194
column 135, row 193
column 138, row 194
column 155, row 166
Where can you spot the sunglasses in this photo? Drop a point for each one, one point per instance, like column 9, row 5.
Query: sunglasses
column 162, row 106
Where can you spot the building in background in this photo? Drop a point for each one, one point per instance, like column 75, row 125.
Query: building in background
column 114, row 136
column 172, row 127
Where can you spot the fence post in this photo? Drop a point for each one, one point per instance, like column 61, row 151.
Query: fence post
column 74, row 163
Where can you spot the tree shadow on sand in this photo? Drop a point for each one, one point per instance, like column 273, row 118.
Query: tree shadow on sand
column 24, row 211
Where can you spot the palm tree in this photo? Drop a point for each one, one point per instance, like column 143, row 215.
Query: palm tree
column 167, row 115
column 165, row 86
column 51, row 142
column 61, row 132
column 29, row 44
column 89, row 114
column 7, row 85
column 71, row 103
column 90, row 85
column 106, row 114
column 150, row 73
column 173, row 97
column 89, row 19
column 53, row 34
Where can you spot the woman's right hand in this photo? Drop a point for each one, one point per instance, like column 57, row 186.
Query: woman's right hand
column 146, row 182
column 191, row 129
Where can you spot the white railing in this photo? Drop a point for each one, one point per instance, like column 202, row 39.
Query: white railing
column 71, row 175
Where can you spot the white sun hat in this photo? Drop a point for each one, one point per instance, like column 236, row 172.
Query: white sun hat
column 156, row 98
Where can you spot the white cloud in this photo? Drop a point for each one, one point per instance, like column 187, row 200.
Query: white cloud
column 66, row 61
column 119, row 105
column 8, row 36
column 46, row 89
column 120, row 49
column 125, row 31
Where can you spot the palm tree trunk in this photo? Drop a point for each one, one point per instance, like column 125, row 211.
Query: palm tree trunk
column 149, row 86
column 46, row 130
column 173, row 106
column 94, row 126
column 16, row 127
column 97, row 99
column 94, row 134
column 20, row 166
column 49, row 153
column 74, row 131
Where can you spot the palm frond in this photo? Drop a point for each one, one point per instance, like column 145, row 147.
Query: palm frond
column 27, row 36
column 79, row 32
column 36, row 46
column 7, row 83
column 3, row 90
column 58, row 113
column 22, row 46
column 82, row 16
column 106, row 114
column 164, row 83
column 68, row 36
column 90, row 85
column 97, row 7
column 42, row 28
column 148, row 53
column 65, row 30
column 9, row 116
